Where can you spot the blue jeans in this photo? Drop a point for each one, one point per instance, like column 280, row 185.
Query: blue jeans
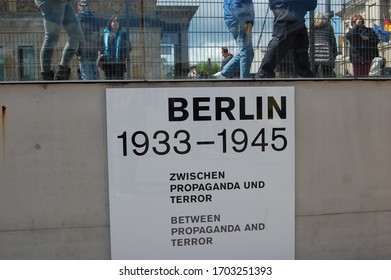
column 57, row 13
column 88, row 68
column 243, row 59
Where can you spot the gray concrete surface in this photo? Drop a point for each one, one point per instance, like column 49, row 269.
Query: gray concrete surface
column 53, row 168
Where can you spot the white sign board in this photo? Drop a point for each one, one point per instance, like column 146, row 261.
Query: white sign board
column 201, row 173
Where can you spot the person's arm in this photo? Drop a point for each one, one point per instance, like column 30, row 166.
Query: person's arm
column 102, row 47
column 126, row 45
column 248, row 27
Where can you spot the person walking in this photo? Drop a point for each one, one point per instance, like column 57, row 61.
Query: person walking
column 56, row 14
column 239, row 19
column 88, row 50
column 363, row 46
column 289, row 32
column 325, row 47
column 115, row 48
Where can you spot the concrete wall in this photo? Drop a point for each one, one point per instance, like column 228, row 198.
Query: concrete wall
column 53, row 169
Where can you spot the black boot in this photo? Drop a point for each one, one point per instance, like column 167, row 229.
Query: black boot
column 63, row 73
column 47, row 76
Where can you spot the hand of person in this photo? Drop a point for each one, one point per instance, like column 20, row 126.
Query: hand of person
column 364, row 37
column 248, row 28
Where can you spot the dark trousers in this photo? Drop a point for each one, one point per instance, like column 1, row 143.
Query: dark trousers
column 286, row 37
column 114, row 71
column 361, row 69
column 324, row 71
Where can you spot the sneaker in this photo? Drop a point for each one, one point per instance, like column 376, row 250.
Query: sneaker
column 219, row 76
column 264, row 76
column 47, row 75
column 63, row 73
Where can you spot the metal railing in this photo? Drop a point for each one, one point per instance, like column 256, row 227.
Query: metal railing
column 170, row 36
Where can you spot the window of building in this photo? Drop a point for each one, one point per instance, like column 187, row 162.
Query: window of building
column 3, row 6
column 2, row 64
column 26, row 63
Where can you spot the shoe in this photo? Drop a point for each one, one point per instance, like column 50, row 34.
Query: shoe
column 63, row 73
column 307, row 74
column 262, row 75
column 219, row 76
column 47, row 76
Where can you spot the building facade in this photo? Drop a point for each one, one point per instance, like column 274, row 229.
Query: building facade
column 147, row 24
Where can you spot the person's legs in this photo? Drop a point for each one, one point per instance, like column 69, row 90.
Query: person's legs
column 112, row 71
column 120, row 70
column 361, row 69
column 88, row 69
column 328, row 71
column 301, row 59
column 75, row 33
column 244, row 57
column 115, row 71
column 108, row 70
column 279, row 44
column 84, row 73
column 356, row 69
column 233, row 65
column 367, row 68
column 246, row 52
column 52, row 14
column 276, row 50
column 284, row 29
column 94, row 70
column 318, row 70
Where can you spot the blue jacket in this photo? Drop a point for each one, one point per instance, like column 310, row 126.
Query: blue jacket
column 238, row 11
column 115, row 46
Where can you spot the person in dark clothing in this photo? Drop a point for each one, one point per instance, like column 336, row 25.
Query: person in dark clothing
column 363, row 46
column 88, row 50
column 115, row 48
column 325, row 47
column 289, row 32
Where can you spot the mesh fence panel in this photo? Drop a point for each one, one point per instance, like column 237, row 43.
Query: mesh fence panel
column 168, row 37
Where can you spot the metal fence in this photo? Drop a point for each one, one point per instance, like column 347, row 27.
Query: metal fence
column 169, row 37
